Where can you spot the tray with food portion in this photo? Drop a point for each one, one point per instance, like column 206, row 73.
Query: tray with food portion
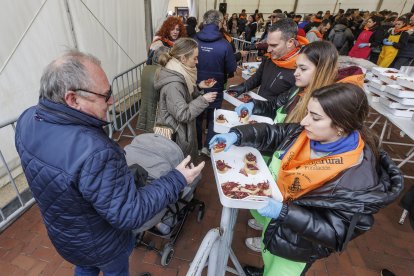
column 399, row 91
column 380, row 70
column 226, row 119
column 235, row 100
column 390, row 78
column 407, row 82
column 391, row 103
column 242, row 177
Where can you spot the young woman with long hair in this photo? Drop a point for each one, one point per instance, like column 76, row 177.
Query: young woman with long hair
column 180, row 98
column 332, row 176
column 171, row 30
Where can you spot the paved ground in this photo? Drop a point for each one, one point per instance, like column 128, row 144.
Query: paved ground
column 26, row 250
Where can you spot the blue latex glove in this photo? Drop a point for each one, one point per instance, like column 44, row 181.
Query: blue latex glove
column 386, row 42
column 227, row 138
column 247, row 106
column 272, row 209
column 363, row 45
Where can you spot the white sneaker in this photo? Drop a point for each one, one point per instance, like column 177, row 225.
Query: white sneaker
column 205, row 151
column 254, row 244
column 254, row 224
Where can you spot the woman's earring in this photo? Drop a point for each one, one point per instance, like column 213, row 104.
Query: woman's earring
column 340, row 132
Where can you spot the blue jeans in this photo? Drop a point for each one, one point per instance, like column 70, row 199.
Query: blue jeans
column 117, row 267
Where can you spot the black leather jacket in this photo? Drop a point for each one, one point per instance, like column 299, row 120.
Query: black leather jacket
column 324, row 220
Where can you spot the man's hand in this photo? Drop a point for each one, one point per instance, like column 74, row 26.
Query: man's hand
column 386, row 42
column 189, row 171
column 363, row 45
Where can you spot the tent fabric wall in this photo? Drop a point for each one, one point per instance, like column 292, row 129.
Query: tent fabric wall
column 30, row 42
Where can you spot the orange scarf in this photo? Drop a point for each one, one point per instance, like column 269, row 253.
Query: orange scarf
column 317, row 20
column 318, row 34
column 299, row 174
column 406, row 28
column 288, row 61
column 227, row 37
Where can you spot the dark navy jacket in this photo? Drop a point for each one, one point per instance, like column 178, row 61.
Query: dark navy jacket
column 215, row 60
column 82, row 184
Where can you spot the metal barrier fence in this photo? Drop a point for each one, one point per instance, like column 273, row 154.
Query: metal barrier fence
column 126, row 88
column 243, row 45
column 23, row 200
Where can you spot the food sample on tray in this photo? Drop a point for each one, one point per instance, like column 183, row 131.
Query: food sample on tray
column 219, row 147
column 232, row 93
column 393, row 77
column 252, row 122
column 238, row 191
column 244, row 116
column 391, row 71
column 251, row 168
column 252, row 70
column 221, row 166
column 221, row 119
column 250, row 158
column 209, row 81
column 245, row 98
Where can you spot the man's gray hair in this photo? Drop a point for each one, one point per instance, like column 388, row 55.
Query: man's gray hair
column 65, row 73
column 212, row 17
column 287, row 27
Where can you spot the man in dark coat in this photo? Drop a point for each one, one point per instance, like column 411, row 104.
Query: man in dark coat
column 79, row 177
column 215, row 60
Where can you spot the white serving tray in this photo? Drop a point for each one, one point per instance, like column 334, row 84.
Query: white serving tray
column 404, row 101
column 391, row 104
column 375, row 91
column 399, row 112
column 247, row 65
column 377, row 84
column 233, row 120
column 380, row 70
column 246, row 74
column 234, row 101
column 234, row 158
column 406, row 82
column 399, row 91
column 385, row 77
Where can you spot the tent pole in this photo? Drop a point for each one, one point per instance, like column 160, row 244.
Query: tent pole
column 295, row 6
column 336, row 4
column 72, row 28
column 149, row 32
column 379, row 5
column 405, row 3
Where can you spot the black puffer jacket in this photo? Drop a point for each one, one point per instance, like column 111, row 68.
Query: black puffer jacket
column 325, row 219
column 273, row 80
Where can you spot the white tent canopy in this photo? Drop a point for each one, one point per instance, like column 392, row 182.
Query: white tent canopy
column 37, row 31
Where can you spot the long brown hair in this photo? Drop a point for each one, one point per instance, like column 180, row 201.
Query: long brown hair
column 324, row 56
column 347, row 106
column 183, row 47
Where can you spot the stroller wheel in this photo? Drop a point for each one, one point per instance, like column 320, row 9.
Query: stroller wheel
column 200, row 214
column 167, row 254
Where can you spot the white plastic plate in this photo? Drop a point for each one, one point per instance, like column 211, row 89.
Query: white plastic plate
column 377, row 84
column 386, row 77
column 234, row 158
column 404, row 101
column 400, row 112
column 390, row 103
column 406, row 82
column 236, row 102
column 399, row 91
column 233, row 120
column 380, row 70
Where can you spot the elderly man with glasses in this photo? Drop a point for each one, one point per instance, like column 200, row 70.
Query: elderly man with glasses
column 79, row 177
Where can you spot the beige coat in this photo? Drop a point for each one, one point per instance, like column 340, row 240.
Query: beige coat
column 178, row 109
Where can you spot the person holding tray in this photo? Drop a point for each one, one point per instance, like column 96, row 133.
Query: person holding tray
column 316, row 66
column 331, row 174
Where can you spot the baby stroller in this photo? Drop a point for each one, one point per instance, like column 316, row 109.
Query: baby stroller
column 155, row 156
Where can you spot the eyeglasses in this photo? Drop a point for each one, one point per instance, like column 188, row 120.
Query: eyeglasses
column 107, row 96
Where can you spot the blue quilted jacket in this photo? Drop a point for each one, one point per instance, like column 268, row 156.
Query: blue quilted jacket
column 81, row 182
column 215, row 60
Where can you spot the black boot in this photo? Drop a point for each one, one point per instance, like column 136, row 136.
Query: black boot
column 253, row 271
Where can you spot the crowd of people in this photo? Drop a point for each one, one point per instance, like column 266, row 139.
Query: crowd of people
column 87, row 194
